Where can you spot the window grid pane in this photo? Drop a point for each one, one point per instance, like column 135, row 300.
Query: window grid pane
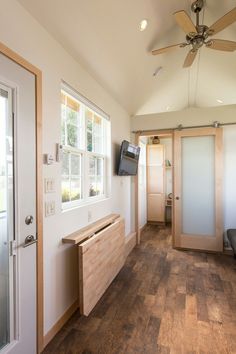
column 71, row 182
column 82, row 129
column 71, row 121
column 95, row 136
column 96, row 179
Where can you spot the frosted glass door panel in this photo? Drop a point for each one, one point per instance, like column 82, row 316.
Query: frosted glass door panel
column 198, row 185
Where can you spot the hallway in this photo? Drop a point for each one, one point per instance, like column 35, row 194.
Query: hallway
column 163, row 301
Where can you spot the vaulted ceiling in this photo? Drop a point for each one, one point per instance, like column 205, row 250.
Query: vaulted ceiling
column 104, row 36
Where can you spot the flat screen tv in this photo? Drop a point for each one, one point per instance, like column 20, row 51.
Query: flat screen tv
column 129, row 156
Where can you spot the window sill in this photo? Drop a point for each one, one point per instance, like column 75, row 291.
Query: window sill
column 84, row 204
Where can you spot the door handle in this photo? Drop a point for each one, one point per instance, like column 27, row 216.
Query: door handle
column 177, row 198
column 29, row 219
column 29, row 240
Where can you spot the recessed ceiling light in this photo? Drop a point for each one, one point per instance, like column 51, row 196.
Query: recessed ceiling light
column 219, row 101
column 143, row 25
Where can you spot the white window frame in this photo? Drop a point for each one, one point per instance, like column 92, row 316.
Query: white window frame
column 85, row 155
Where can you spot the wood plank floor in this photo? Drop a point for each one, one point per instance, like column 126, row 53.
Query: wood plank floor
column 162, row 301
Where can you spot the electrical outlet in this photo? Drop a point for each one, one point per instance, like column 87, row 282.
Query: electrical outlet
column 50, row 208
column 49, row 185
column 89, row 216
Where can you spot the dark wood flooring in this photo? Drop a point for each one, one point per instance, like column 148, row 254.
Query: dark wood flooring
column 162, row 301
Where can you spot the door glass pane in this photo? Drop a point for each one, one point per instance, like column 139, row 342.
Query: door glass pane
column 6, row 214
column 198, row 185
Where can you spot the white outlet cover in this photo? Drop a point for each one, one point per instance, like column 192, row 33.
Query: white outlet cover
column 50, row 208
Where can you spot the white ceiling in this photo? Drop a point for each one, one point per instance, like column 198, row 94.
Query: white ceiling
column 104, row 36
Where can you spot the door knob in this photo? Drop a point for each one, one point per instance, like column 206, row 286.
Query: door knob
column 29, row 219
column 29, row 240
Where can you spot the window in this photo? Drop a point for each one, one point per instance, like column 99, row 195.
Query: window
column 96, row 177
column 71, row 177
column 85, row 141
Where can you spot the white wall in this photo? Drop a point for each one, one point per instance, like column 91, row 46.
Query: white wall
column 230, row 177
column 198, row 116
column 187, row 117
column 20, row 32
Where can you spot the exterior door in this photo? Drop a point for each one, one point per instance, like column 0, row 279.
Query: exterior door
column 198, row 189
column 17, row 209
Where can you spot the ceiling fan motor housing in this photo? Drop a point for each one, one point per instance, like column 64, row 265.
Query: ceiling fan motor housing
column 199, row 38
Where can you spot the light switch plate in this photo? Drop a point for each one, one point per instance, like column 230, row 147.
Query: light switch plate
column 50, row 208
column 48, row 159
column 49, row 185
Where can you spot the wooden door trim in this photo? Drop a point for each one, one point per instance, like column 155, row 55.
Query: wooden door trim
column 136, row 197
column 190, row 241
column 39, row 185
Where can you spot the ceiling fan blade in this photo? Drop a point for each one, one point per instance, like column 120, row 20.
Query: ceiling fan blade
column 223, row 22
column 221, row 44
column 190, row 58
column 167, row 49
column 185, row 22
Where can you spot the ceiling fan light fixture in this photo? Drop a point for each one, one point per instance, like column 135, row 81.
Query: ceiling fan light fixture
column 197, row 34
column 143, row 25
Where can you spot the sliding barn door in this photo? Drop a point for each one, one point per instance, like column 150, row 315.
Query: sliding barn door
column 198, row 171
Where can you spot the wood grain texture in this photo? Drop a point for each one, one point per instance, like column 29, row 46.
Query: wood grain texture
column 100, row 259
column 212, row 243
column 155, row 183
column 162, row 301
column 136, row 196
column 89, row 230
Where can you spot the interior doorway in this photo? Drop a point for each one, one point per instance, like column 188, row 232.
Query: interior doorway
column 183, row 185
column 155, row 179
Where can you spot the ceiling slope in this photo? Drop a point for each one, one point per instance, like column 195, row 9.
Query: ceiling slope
column 104, row 36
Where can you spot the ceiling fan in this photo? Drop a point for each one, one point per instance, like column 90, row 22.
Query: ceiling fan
column 197, row 36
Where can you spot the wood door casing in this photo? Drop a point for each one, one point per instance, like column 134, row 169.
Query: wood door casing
column 208, row 243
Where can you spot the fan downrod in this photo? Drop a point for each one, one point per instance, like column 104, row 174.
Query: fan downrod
column 197, row 6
